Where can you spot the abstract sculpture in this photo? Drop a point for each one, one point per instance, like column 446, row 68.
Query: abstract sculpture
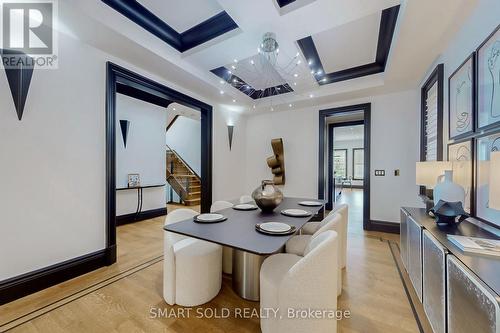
column 277, row 162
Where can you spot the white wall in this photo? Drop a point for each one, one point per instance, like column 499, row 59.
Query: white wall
column 394, row 145
column 145, row 153
column 230, row 166
column 184, row 136
column 53, row 161
column 482, row 21
column 53, row 192
column 349, row 145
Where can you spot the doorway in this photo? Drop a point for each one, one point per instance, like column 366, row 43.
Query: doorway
column 123, row 81
column 331, row 185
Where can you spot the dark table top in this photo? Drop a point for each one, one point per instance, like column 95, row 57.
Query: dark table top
column 238, row 231
column 484, row 267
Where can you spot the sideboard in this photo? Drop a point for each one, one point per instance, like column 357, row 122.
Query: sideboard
column 460, row 293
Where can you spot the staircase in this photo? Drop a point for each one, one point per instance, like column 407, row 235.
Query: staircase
column 184, row 181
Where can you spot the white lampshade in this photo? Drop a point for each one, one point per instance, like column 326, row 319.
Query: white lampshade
column 495, row 180
column 429, row 171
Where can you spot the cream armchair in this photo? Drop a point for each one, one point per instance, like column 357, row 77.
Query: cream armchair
column 227, row 252
column 192, row 268
column 291, row 283
column 298, row 244
column 311, row 227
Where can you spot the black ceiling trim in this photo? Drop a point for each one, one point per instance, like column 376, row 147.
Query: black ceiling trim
column 207, row 30
column 238, row 83
column 283, row 3
column 386, row 32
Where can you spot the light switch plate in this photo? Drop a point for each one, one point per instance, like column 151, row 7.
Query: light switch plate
column 379, row 173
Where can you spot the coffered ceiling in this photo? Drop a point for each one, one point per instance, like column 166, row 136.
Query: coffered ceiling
column 343, row 47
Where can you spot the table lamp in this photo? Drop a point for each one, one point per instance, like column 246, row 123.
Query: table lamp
column 495, row 180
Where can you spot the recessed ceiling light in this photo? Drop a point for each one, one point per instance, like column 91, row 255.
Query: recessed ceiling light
column 295, row 83
column 233, row 66
column 324, row 79
column 297, row 54
column 272, row 109
column 235, row 60
column 173, row 109
column 252, row 62
column 299, row 61
column 234, row 101
column 289, row 105
column 222, row 81
column 312, row 72
column 229, row 72
column 295, row 75
column 258, row 49
column 254, row 106
column 222, row 92
column 311, row 95
column 310, row 62
column 319, row 72
column 234, row 80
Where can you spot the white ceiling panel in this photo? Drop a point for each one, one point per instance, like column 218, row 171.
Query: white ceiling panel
column 349, row 45
column 180, row 14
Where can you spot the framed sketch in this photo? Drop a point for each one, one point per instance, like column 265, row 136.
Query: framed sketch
column 484, row 146
column 461, row 154
column 461, row 99
column 488, row 82
column 134, row 180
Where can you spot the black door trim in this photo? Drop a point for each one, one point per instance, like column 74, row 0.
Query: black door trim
column 117, row 75
column 322, row 178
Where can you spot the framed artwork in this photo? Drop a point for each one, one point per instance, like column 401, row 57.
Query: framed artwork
column 134, row 180
column 484, row 146
column 488, row 82
column 461, row 99
column 461, row 154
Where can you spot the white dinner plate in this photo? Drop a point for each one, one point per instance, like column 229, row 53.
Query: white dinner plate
column 210, row 218
column 296, row 212
column 276, row 227
column 311, row 203
column 245, row 206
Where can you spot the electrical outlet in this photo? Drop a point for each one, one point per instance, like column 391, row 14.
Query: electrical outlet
column 379, row 173
column 397, row 173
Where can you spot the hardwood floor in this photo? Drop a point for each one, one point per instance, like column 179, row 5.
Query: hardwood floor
column 126, row 297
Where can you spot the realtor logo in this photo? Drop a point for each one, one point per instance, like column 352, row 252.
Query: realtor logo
column 28, row 34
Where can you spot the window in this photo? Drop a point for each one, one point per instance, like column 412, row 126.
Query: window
column 358, row 163
column 340, row 163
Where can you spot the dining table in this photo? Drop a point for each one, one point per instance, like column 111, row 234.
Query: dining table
column 250, row 247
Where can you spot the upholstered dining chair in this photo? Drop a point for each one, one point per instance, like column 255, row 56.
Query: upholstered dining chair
column 227, row 252
column 298, row 244
column 289, row 281
column 192, row 268
column 311, row 227
column 245, row 199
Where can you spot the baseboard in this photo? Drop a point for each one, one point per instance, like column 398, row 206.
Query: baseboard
column 25, row 284
column 384, row 226
column 146, row 215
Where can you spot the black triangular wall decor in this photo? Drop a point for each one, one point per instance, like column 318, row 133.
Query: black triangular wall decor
column 230, row 130
column 19, row 79
column 124, row 125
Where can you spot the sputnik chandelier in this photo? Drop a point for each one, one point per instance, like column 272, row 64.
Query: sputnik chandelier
column 269, row 73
